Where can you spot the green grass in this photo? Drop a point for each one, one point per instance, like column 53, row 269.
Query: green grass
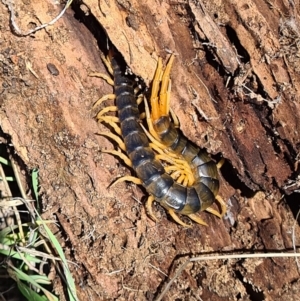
column 29, row 250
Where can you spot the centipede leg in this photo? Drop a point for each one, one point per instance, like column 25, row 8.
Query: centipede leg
column 177, row 219
column 116, row 138
column 107, row 63
column 113, row 124
column 108, row 119
column 165, row 90
column 197, row 219
column 186, row 176
column 221, row 202
column 104, row 98
column 175, row 175
column 106, row 110
column 149, row 209
column 120, row 155
column 132, row 179
column 214, row 212
column 174, row 118
column 139, row 99
column 222, row 205
column 149, row 122
column 106, row 77
column 176, row 164
column 220, row 163
column 155, row 114
column 172, row 214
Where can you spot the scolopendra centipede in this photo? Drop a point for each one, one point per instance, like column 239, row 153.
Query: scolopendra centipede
column 190, row 193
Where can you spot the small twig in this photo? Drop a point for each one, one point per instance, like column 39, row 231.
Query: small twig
column 244, row 256
column 294, row 238
column 205, row 87
column 114, row 272
column 159, row 270
column 172, row 280
column 194, row 103
column 270, row 103
column 15, row 209
column 18, row 179
column 15, row 27
column 226, row 257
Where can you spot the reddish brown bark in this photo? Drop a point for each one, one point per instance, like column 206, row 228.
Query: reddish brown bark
column 235, row 87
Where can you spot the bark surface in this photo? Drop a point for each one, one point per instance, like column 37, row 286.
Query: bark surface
column 235, row 90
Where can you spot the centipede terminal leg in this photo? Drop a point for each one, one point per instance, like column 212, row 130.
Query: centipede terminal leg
column 165, row 90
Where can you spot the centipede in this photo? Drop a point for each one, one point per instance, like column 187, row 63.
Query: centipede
column 190, row 184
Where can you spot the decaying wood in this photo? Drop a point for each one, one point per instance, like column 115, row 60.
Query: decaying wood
column 235, row 86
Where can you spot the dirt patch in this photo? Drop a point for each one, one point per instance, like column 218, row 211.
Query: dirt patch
column 245, row 109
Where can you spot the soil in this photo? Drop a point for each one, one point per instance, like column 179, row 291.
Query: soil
column 235, row 86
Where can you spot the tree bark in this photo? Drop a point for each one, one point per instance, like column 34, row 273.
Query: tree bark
column 235, row 85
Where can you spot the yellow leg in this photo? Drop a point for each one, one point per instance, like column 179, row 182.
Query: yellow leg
column 106, row 77
column 157, row 145
column 161, row 82
column 220, row 163
column 106, row 110
column 164, row 100
column 179, row 164
column 174, row 162
column 213, row 211
column 186, row 181
column 170, row 157
column 120, row 155
column 103, row 98
column 171, row 168
column 173, row 171
column 149, row 123
column 107, row 63
column 155, row 88
column 108, row 119
column 113, row 125
column 165, row 89
column 197, row 219
column 175, row 175
column 174, row 118
column 177, row 219
column 139, row 99
column 222, row 204
column 149, row 210
column 181, row 179
column 134, row 180
column 115, row 138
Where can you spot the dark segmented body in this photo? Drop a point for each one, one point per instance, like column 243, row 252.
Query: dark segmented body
column 170, row 194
